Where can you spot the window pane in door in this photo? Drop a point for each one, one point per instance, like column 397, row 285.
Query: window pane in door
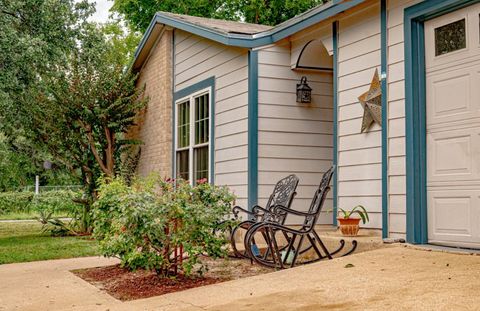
column 200, row 163
column 183, row 125
column 450, row 37
column 182, row 164
column 201, row 119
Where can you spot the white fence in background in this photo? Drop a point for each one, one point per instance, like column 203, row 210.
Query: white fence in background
column 52, row 188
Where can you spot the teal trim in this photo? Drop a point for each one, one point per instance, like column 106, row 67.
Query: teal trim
column 384, row 64
column 273, row 35
column 212, row 134
column 415, row 133
column 306, row 20
column 335, row 120
column 415, row 110
column 207, row 83
column 252, row 128
column 432, row 8
column 202, row 31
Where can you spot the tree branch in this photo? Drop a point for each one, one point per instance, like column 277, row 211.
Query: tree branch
column 110, row 149
column 91, row 141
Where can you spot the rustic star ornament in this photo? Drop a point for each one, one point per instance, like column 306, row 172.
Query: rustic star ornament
column 372, row 104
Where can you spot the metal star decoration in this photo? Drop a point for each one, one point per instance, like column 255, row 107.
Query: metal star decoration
column 372, row 104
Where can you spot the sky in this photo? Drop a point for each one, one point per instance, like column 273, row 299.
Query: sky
column 101, row 15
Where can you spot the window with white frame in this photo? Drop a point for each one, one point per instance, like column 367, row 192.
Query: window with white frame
column 193, row 137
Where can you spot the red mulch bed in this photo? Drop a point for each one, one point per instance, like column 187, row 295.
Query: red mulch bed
column 130, row 285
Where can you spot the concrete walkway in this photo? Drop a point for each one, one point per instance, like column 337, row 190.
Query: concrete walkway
column 395, row 278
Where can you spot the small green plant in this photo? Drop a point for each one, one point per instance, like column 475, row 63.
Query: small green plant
column 359, row 209
column 50, row 204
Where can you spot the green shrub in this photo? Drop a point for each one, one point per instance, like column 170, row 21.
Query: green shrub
column 143, row 224
column 15, row 202
column 57, row 201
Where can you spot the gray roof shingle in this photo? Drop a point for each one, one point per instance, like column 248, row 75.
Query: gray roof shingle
column 223, row 26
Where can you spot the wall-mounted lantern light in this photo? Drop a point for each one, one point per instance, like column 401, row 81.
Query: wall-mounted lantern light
column 304, row 92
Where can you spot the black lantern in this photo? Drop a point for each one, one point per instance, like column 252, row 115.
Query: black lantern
column 304, row 92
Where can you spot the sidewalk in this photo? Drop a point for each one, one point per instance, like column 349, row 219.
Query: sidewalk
column 396, row 278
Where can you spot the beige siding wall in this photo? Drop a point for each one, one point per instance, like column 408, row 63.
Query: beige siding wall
column 293, row 138
column 154, row 127
column 396, row 117
column 197, row 59
column 359, row 155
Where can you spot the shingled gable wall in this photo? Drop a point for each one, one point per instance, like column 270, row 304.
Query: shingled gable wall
column 154, row 124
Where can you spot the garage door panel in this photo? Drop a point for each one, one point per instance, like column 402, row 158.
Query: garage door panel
column 451, row 94
column 454, row 96
column 452, row 57
column 452, row 216
column 442, row 210
column 449, row 156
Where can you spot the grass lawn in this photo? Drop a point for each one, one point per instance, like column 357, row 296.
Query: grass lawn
column 21, row 242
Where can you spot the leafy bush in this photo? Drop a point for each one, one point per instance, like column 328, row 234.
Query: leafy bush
column 15, row 202
column 161, row 225
column 58, row 201
column 48, row 205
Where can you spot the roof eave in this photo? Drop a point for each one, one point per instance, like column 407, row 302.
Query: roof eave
column 273, row 35
column 313, row 17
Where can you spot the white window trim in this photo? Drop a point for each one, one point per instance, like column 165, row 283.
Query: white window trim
column 191, row 146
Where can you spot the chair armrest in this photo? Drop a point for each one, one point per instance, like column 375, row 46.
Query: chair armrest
column 256, row 209
column 255, row 212
column 237, row 209
column 272, row 225
column 276, row 209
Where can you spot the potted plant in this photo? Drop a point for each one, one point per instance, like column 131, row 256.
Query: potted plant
column 350, row 225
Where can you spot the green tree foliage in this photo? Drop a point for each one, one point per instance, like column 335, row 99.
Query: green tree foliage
column 21, row 161
column 35, row 36
column 123, row 42
column 267, row 12
column 83, row 111
column 66, row 86
column 139, row 13
column 17, row 169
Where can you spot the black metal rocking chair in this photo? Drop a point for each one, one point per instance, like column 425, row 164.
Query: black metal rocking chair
column 279, row 256
column 282, row 195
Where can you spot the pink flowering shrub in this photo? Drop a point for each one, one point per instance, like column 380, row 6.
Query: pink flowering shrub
column 162, row 225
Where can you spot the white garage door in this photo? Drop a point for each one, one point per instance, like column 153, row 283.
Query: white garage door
column 452, row 58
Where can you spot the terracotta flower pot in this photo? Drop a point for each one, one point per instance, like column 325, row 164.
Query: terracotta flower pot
column 349, row 226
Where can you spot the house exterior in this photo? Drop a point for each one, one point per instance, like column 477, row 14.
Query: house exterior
column 223, row 107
